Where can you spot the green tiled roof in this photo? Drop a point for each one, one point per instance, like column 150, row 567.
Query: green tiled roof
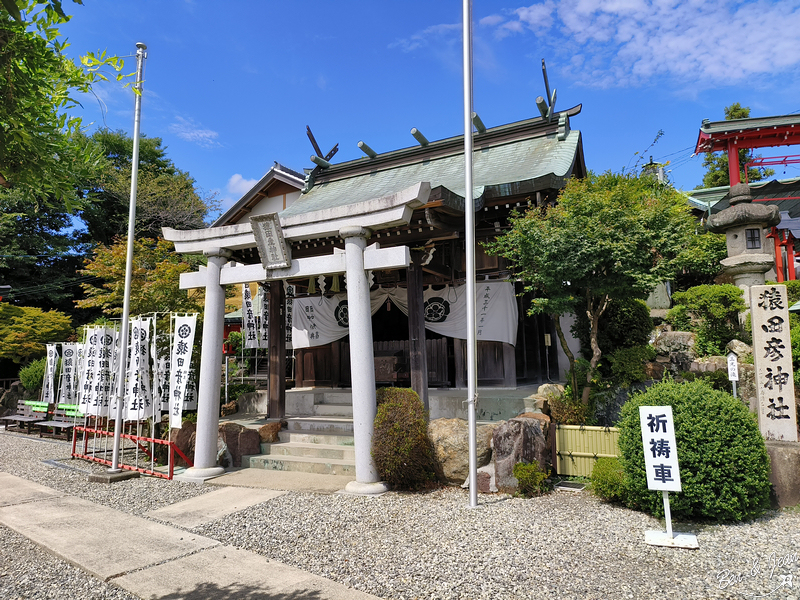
column 507, row 167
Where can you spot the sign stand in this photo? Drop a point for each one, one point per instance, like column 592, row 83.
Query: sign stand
column 661, row 464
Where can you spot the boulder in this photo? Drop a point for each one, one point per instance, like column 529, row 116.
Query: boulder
column 450, row 439
column 269, row 433
column 518, row 440
column 184, row 439
column 742, row 350
column 231, row 408
column 534, row 415
column 11, row 397
column 681, row 343
column 654, row 370
column 240, row 441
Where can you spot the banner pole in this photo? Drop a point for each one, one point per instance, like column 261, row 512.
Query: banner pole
column 126, row 306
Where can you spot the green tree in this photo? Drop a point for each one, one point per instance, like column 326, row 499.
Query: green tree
column 39, row 254
column 24, row 331
column 156, row 278
column 166, row 196
column 610, row 236
column 41, row 152
column 716, row 163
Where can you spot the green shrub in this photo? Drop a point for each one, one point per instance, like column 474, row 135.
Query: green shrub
column 235, row 390
column 567, row 411
column 608, row 480
column 724, row 464
column 32, row 375
column 531, row 479
column 624, row 323
column 401, row 448
column 713, row 312
column 627, row 364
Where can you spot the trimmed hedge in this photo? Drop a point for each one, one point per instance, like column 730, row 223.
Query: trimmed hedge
column 32, row 375
column 608, row 480
column 402, row 451
column 723, row 461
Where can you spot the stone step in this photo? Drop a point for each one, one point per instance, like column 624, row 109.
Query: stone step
column 320, row 425
column 300, row 463
column 310, row 450
column 333, row 410
column 316, row 438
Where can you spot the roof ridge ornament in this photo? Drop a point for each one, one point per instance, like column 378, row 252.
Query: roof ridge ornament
column 547, row 109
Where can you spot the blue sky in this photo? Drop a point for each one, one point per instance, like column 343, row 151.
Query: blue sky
column 230, row 86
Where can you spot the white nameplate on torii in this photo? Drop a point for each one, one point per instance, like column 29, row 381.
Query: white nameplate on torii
column 375, row 259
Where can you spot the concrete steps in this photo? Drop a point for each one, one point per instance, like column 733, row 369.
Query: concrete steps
column 318, row 437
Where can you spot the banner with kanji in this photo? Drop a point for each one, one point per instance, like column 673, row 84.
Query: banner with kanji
column 69, row 381
column 180, row 363
column 138, row 396
column 49, row 383
column 263, row 326
column 249, row 329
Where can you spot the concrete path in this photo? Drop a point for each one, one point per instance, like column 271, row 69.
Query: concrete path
column 283, row 480
column 154, row 560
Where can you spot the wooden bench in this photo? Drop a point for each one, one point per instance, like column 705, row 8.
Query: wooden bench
column 65, row 417
column 29, row 412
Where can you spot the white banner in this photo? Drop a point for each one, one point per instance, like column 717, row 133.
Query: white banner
column 98, row 360
column 249, row 330
column 138, row 398
column 263, row 327
column 182, row 345
column 49, row 383
column 69, row 369
column 319, row 320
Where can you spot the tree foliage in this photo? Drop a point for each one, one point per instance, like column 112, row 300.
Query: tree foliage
column 166, row 196
column 610, row 236
column 716, row 164
column 156, row 278
column 24, row 331
column 41, row 151
column 39, row 254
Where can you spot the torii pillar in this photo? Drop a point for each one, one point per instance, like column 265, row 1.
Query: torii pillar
column 362, row 362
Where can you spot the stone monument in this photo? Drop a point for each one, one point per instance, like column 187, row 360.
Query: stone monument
column 750, row 253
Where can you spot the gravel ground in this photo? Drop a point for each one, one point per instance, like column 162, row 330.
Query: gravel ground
column 402, row 546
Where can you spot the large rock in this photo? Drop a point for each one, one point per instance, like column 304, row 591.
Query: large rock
column 269, row 433
column 240, row 441
column 184, row 439
column 670, row 343
column 450, row 439
column 543, row 398
column 518, row 440
column 10, row 398
column 742, row 350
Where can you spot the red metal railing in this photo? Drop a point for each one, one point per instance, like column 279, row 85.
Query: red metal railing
column 136, row 439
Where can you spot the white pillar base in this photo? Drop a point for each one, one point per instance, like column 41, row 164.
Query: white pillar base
column 367, row 489
column 199, row 475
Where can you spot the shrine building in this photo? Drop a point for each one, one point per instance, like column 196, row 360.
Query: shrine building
column 364, row 264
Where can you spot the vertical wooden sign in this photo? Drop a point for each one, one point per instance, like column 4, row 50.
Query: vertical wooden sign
column 772, row 351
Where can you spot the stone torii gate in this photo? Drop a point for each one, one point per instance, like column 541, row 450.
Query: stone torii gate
column 354, row 223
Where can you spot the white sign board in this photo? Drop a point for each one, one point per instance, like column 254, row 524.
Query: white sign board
column 733, row 367
column 660, row 450
column 772, row 353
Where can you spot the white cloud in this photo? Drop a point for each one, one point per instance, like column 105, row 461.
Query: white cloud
column 633, row 42
column 239, row 186
column 188, row 130
column 435, row 33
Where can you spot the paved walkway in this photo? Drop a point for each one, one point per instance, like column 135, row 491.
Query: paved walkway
column 160, row 560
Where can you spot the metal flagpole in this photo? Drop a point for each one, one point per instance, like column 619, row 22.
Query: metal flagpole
column 141, row 55
column 469, row 221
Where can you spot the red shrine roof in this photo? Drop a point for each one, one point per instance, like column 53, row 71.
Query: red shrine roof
column 748, row 133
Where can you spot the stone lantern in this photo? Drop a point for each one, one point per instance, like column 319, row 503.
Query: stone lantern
column 750, row 252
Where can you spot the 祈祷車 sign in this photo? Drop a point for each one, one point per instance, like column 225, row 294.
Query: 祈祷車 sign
column 772, row 352
column 660, row 450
